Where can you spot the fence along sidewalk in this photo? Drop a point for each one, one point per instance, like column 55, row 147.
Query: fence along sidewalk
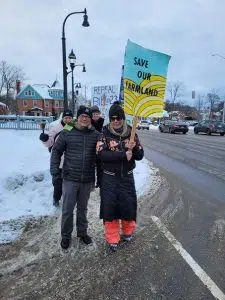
column 23, row 122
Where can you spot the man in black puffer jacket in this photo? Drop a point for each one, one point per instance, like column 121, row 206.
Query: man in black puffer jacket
column 78, row 144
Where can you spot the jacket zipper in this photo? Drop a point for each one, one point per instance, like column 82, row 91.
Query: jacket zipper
column 122, row 161
column 82, row 175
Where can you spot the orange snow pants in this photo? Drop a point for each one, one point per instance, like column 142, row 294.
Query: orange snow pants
column 112, row 230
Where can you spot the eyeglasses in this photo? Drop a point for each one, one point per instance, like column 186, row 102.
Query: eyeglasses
column 115, row 119
column 84, row 116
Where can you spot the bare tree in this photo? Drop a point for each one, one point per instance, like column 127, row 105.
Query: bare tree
column 9, row 74
column 2, row 75
column 175, row 91
column 213, row 99
column 200, row 104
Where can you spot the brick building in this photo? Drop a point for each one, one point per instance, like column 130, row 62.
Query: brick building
column 40, row 99
column 3, row 109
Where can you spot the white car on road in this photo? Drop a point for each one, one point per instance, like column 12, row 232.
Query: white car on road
column 143, row 124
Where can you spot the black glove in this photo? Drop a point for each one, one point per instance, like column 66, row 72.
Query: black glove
column 56, row 177
column 43, row 137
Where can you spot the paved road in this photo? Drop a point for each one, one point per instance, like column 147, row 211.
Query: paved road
column 197, row 159
column 194, row 167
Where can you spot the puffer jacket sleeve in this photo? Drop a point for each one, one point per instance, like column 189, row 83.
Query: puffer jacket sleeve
column 138, row 151
column 57, row 152
column 52, row 133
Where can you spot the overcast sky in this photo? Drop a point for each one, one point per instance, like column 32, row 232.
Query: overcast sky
column 188, row 30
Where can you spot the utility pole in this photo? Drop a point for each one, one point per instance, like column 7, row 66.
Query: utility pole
column 223, row 111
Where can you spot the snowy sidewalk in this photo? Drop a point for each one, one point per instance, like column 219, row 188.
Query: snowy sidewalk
column 25, row 182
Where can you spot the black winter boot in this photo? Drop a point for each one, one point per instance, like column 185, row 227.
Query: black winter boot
column 65, row 243
column 55, row 202
column 113, row 247
column 86, row 239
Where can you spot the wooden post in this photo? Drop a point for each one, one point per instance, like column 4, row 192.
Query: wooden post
column 133, row 130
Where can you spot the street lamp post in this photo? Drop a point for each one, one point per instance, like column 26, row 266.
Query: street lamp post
column 78, row 85
column 72, row 59
column 84, row 24
column 223, row 57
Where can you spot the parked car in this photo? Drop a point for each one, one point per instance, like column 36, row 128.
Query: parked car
column 173, row 126
column 192, row 123
column 210, row 127
column 143, row 124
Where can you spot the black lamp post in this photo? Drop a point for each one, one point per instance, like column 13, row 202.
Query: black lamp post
column 72, row 59
column 78, row 85
column 84, row 24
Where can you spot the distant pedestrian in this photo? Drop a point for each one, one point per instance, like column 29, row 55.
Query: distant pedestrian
column 97, row 121
column 49, row 140
column 78, row 143
column 117, row 155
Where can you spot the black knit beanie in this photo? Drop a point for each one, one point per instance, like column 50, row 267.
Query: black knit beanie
column 116, row 110
column 95, row 108
column 67, row 113
column 83, row 110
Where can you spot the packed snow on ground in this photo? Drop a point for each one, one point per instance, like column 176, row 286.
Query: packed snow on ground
column 25, row 181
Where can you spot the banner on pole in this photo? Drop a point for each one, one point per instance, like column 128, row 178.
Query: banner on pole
column 145, row 73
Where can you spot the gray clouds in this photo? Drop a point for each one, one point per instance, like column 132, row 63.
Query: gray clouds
column 189, row 31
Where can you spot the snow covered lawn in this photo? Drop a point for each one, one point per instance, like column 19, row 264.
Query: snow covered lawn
column 25, row 181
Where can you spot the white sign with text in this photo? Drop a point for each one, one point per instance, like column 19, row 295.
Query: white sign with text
column 104, row 97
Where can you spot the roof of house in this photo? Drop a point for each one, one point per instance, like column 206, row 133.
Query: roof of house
column 2, row 104
column 43, row 90
column 56, row 85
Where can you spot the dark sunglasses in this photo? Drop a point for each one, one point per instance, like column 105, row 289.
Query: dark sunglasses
column 115, row 118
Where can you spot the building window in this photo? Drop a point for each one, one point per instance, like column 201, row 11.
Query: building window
column 57, row 104
column 34, row 102
column 46, row 103
column 25, row 103
column 29, row 93
column 25, row 93
column 61, row 104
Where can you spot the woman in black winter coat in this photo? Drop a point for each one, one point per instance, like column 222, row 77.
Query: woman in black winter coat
column 117, row 188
